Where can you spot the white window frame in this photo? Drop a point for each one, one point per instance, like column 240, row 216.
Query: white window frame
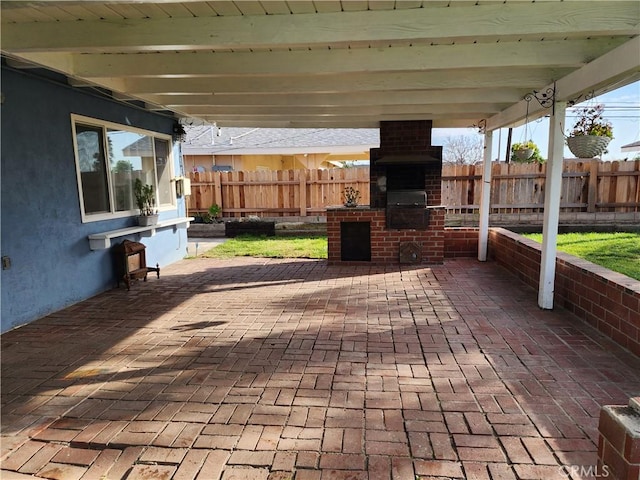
column 105, row 126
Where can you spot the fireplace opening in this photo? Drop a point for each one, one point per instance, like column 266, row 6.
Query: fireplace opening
column 405, row 177
column 355, row 241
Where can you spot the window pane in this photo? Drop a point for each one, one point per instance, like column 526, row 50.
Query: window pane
column 93, row 175
column 163, row 171
column 110, row 158
column 130, row 157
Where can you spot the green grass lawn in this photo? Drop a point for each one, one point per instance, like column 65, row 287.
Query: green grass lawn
column 272, row 247
column 616, row 251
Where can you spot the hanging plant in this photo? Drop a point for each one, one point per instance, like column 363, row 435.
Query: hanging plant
column 526, row 152
column 591, row 133
column 523, row 151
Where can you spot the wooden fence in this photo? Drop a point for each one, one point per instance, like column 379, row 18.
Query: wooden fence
column 276, row 193
column 588, row 186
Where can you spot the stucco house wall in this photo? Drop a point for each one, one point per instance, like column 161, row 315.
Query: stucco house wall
column 42, row 232
column 194, row 163
column 270, row 162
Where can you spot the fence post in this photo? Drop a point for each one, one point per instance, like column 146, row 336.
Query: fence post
column 592, row 192
column 302, row 177
column 198, row 189
column 217, row 190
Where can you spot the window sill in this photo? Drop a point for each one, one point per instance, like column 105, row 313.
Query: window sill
column 101, row 241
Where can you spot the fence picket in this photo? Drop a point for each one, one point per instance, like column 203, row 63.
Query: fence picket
column 636, row 180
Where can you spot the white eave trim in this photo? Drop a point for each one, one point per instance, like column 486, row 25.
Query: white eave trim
column 332, row 149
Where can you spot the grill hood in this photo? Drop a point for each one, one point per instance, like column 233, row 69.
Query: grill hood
column 407, row 198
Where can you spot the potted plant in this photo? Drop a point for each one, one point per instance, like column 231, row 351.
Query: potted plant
column 351, row 196
column 523, row 151
column 146, row 202
column 591, row 133
column 215, row 211
column 526, row 152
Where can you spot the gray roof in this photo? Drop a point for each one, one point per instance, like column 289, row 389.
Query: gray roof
column 631, row 147
column 209, row 139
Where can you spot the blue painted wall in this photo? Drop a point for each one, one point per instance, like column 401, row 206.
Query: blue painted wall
column 42, row 232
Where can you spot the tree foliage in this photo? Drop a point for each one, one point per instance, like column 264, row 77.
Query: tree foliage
column 123, row 166
column 463, row 150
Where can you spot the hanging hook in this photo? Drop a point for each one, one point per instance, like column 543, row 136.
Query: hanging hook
column 588, row 96
column 547, row 98
column 527, row 98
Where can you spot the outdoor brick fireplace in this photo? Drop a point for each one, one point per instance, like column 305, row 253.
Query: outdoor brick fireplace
column 404, row 222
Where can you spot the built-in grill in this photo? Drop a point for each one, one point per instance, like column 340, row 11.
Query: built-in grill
column 405, row 220
column 407, row 209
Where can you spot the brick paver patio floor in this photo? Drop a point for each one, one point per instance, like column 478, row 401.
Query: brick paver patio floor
column 290, row 369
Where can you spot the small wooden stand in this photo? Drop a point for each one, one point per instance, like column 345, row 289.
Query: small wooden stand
column 130, row 263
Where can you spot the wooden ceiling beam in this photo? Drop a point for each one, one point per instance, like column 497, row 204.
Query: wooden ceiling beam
column 462, row 21
column 373, row 109
column 352, row 99
column 354, row 117
column 554, row 53
column 361, row 82
column 356, row 122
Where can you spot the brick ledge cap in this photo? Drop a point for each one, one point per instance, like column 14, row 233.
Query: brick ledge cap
column 627, row 417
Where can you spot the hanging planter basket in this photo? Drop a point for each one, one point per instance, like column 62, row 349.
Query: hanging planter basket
column 523, row 154
column 587, row 146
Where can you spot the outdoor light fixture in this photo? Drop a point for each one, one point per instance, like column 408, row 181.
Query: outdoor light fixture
column 179, row 134
column 481, row 126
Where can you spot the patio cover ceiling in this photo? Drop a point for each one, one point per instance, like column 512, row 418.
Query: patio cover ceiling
column 332, row 63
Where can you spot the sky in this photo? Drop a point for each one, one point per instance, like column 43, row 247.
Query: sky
column 622, row 109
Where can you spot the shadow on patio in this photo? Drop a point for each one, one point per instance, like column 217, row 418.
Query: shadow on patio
column 282, row 369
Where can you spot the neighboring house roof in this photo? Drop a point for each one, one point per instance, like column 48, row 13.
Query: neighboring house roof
column 631, row 147
column 208, row 140
column 139, row 148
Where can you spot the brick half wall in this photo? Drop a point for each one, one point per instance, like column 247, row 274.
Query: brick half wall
column 619, row 442
column 606, row 300
column 460, row 242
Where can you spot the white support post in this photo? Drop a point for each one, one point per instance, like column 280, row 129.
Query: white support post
column 485, row 197
column 552, row 194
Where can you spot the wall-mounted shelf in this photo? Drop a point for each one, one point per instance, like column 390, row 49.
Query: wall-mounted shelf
column 101, row 241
